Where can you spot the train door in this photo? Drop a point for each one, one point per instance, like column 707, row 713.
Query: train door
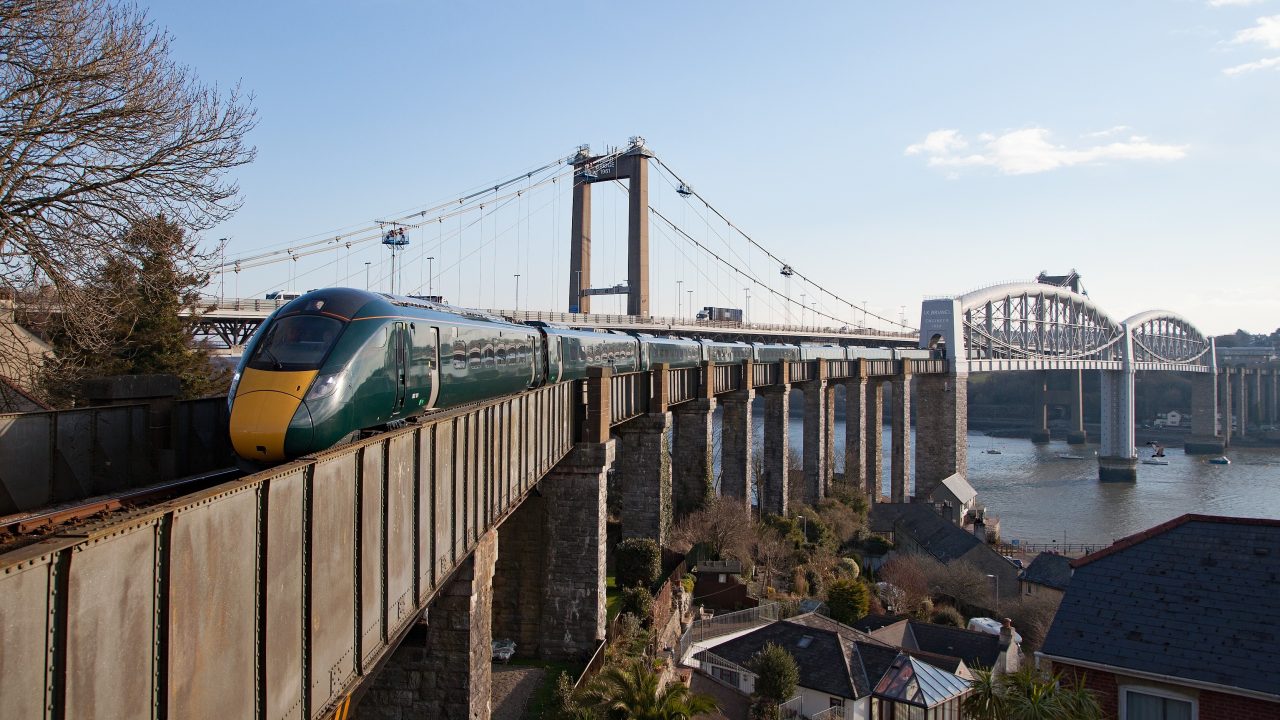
column 400, row 347
column 435, row 367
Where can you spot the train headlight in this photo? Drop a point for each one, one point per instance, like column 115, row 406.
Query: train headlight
column 323, row 386
column 231, row 391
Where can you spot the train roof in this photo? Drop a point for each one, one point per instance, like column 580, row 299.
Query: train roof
column 353, row 304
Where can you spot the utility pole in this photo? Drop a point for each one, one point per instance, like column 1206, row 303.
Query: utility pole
column 746, row 306
column 679, row 296
column 430, row 275
column 690, row 301
column 517, row 291
column 366, row 274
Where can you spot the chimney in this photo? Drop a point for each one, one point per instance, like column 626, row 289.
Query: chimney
column 1009, row 653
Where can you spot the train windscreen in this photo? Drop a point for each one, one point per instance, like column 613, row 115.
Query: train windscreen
column 297, row 342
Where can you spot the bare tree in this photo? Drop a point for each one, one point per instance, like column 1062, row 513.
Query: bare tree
column 903, row 571
column 723, row 527
column 959, row 580
column 773, row 552
column 100, row 130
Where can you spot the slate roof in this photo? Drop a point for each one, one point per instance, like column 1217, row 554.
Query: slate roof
column 823, row 664
column 873, row 622
column 960, row 487
column 1194, row 598
column 935, row 535
column 976, row 649
column 1050, row 570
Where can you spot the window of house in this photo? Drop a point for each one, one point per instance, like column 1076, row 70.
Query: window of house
column 723, row 578
column 1143, row 703
column 835, row 701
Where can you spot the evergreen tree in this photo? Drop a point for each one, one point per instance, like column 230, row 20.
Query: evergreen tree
column 776, row 678
column 847, row 600
column 158, row 278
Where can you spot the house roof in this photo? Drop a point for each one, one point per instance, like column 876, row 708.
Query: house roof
column 1049, row 569
column 913, row 681
column 960, row 487
column 1193, row 598
column 819, row 654
column 976, row 649
column 935, row 535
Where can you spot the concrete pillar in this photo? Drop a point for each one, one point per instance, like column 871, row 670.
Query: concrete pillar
column 1256, row 414
column 776, row 463
column 874, row 444
column 693, row 468
column 942, row 428
column 573, row 598
column 1204, row 439
column 643, row 474
column 580, row 246
column 1077, row 435
column 1040, row 416
column 736, row 438
column 1117, row 458
column 817, row 467
column 442, row 669
column 1273, row 396
column 1242, row 401
column 637, row 162
column 855, row 433
column 1224, row 400
column 900, row 455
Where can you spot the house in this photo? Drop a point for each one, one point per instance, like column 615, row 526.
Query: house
column 844, row 672
column 955, row 498
column 976, row 649
column 718, row 586
column 918, row 528
column 1048, row 574
column 1178, row 621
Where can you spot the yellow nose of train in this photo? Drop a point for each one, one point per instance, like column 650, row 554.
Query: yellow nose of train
column 265, row 403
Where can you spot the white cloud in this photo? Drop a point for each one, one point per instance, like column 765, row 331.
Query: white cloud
column 1263, row 64
column 1234, row 3
column 1107, row 133
column 1023, row 152
column 1265, row 31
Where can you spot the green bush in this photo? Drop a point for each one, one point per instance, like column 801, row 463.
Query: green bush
column 847, row 600
column 947, row 615
column 848, row 567
column 814, row 580
column 776, row 674
column 639, row 602
column 876, row 545
column 687, row 582
column 638, row 562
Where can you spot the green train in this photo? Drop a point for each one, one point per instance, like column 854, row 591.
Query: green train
column 335, row 362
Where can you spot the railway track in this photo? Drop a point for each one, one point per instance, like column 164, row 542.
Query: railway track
column 22, row 528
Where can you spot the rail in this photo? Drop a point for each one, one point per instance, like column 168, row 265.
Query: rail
column 682, row 384
column 835, row 712
column 727, row 378
column 275, row 594
column 791, row 709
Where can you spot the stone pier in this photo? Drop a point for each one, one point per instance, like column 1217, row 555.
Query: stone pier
column 442, row 668
column 1117, row 457
column 693, row 440
column 900, row 453
column 776, row 463
column 1077, row 435
column 942, row 428
column 817, row 430
column 1242, row 401
column 855, row 434
column 736, row 435
column 874, row 445
column 643, row 475
column 1040, row 420
column 1204, row 439
column 1224, row 400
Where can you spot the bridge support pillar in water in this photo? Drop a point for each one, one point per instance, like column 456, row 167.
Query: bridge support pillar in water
column 776, row 463
column 1204, row 439
column 855, row 434
column 817, row 432
column 1077, row 435
column 1117, row 457
column 900, row 422
column 643, row 476
column 1224, row 405
column 736, row 435
column 442, row 669
column 942, row 429
column 1040, row 421
column 1242, row 401
column 693, row 437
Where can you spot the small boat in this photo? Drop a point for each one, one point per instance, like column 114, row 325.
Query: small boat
column 1069, row 456
column 1221, row 460
column 1155, row 461
column 993, row 451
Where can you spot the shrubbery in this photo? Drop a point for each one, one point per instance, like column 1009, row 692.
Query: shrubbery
column 638, row 562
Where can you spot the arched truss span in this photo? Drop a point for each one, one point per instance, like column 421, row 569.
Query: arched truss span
column 1035, row 326
column 1163, row 337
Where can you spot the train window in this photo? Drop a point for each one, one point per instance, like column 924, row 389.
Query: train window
column 380, row 337
column 488, row 354
column 474, row 354
column 298, row 342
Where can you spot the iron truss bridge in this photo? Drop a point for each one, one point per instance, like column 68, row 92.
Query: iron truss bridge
column 1034, row 326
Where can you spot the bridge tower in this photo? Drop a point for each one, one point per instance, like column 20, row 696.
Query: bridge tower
column 588, row 169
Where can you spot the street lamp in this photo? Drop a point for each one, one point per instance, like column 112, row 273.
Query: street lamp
column 997, row 579
column 517, row 291
column 366, row 274
column 805, row 520
column 746, row 306
column 690, row 301
column 679, row 296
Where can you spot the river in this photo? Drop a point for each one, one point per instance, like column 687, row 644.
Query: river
column 1041, row 498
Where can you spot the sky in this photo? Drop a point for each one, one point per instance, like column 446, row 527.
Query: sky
column 887, row 151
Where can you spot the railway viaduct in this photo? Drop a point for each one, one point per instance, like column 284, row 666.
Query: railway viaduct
column 285, row 594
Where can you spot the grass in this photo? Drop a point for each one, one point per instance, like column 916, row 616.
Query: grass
column 544, row 697
column 612, row 598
